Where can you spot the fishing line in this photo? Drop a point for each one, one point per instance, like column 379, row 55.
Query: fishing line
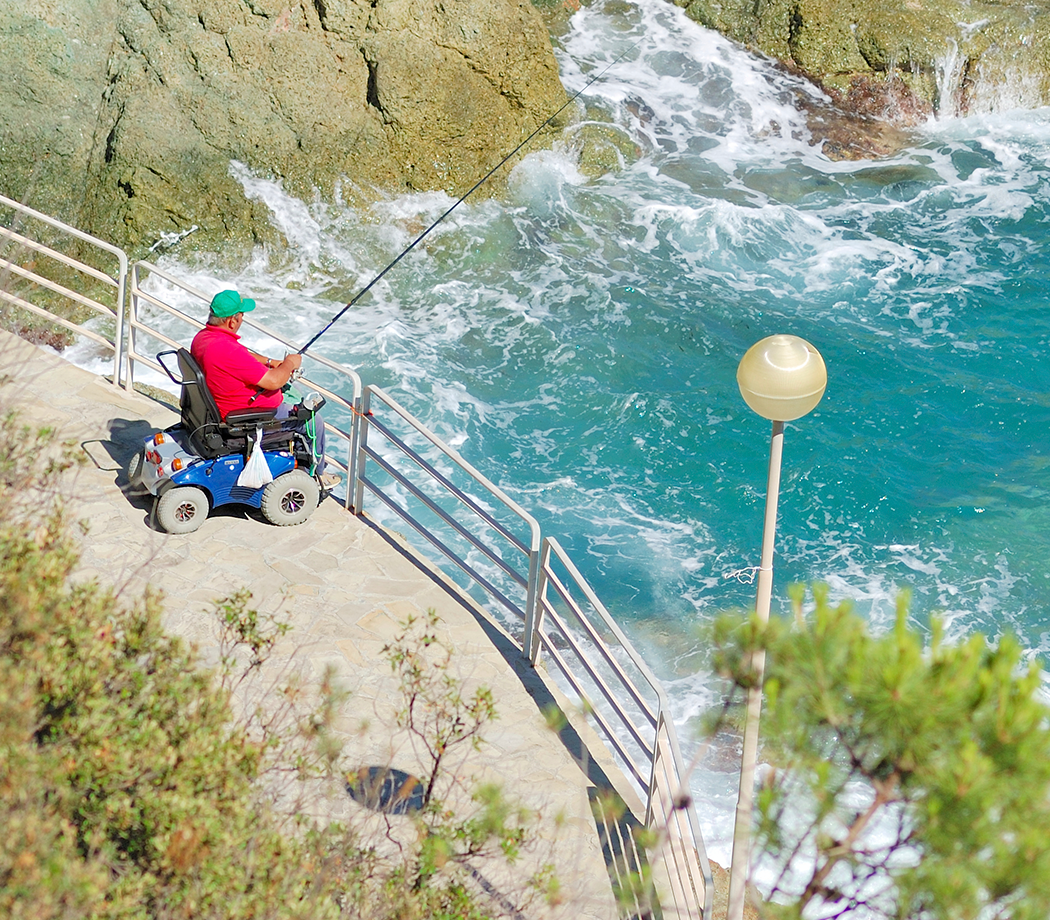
column 404, row 252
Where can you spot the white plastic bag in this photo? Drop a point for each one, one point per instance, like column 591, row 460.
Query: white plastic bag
column 256, row 472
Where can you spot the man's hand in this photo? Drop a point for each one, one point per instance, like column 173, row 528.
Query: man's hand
column 277, row 377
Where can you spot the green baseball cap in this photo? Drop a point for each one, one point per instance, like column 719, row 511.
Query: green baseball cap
column 226, row 303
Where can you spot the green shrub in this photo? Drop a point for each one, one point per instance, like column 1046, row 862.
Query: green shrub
column 908, row 780
column 128, row 789
column 135, row 784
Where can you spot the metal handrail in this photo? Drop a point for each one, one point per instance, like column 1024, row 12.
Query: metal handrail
column 584, row 625
column 671, row 810
column 630, row 712
column 136, row 322
column 662, row 774
column 532, row 550
column 118, row 282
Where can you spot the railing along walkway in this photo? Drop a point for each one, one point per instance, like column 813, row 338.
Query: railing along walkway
column 494, row 546
column 40, row 269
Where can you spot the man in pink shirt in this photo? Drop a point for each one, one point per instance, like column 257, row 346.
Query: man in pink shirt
column 238, row 377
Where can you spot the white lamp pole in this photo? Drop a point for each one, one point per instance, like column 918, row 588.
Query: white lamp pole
column 781, row 378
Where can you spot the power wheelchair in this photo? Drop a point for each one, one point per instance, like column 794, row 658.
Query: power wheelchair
column 192, row 468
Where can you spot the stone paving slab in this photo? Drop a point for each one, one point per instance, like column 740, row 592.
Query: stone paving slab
column 344, row 583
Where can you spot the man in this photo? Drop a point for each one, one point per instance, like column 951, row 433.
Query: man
column 239, row 378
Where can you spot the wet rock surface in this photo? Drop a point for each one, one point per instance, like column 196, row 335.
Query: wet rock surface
column 124, row 115
column 897, row 62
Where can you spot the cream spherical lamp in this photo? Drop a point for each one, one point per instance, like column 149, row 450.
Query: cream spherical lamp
column 781, row 378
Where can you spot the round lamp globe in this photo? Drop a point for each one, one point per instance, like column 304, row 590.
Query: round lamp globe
column 782, row 377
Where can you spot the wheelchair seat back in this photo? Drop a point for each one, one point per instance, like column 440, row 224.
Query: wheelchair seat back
column 210, row 436
column 200, row 415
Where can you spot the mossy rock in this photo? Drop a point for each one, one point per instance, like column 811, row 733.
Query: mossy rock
column 602, row 148
column 125, row 116
column 899, row 60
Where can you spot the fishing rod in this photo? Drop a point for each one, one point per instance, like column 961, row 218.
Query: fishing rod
column 404, row 252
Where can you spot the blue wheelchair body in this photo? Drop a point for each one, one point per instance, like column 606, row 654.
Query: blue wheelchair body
column 193, row 467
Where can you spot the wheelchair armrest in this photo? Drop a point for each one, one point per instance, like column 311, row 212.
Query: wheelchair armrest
column 240, row 420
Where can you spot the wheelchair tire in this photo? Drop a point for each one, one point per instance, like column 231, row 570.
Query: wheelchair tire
column 290, row 499
column 134, row 467
column 182, row 509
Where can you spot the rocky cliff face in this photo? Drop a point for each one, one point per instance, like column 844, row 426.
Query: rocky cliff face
column 123, row 116
column 901, row 61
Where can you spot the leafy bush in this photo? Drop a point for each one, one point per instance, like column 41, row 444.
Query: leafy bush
column 136, row 784
column 908, row 780
column 129, row 791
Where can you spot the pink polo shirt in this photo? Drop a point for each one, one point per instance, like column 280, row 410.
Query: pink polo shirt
column 230, row 371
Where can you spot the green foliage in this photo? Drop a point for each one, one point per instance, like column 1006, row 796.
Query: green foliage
column 909, row 780
column 240, row 628
column 443, row 718
column 435, row 711
column 30, row 464
column 128, row 790
column 136, row 784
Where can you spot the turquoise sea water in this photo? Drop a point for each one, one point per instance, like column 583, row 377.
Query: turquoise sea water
column 579, row 341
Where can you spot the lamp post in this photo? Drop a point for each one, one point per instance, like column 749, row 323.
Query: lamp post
column 781, row 378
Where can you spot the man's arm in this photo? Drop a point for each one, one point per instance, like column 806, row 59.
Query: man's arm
column 277, row 375
column 262, row 359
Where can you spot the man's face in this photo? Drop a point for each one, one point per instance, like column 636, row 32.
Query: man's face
column 235, row 322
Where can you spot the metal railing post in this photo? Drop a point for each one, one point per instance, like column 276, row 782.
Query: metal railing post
column 362, row 444
column 131, row 349
column 531, row 645
column 118, row 336
column 351, row 457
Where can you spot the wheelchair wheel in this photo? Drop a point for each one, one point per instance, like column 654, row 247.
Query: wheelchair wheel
column 134, row 467
column 290, row 499
column 182, row 509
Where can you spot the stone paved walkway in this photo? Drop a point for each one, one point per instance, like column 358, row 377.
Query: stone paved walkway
column 344, row 583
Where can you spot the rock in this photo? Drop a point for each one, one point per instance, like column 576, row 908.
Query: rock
column 124, row 115
column 900, row 61
column 601, row 147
